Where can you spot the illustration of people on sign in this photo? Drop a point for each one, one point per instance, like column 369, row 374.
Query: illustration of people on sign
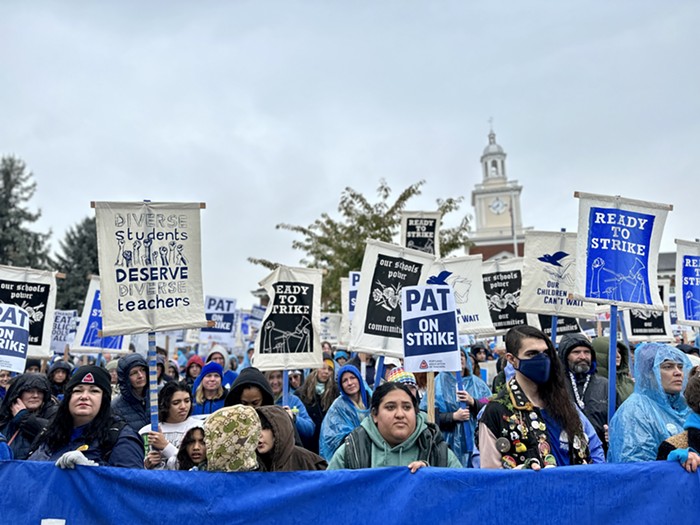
column 144, row 253
column 427, row 247
column 558, row 271
column 92, row 338
column 615, row 286
column 692, row 307
column 276, row 341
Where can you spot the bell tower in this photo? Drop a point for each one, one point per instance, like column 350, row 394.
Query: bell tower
column 496, row 200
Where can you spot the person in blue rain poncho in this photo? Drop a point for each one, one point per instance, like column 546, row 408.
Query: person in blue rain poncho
column 451, row 418
column 346, row 413
column 656, row 410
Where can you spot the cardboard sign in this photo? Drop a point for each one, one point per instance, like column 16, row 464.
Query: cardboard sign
column 14, row 337
column 430, row 338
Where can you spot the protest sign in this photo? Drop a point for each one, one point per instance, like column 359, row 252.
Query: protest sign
column 565, row 325
column 65, row 324
column 290, row 333
column 386, row 269
column 87, row 337
column 344, row 337
column 353, row 287
column 420, row 230
column 257, row 313
column 464, row 275
column 14, row 337
column 688, row 282
column 429, row 329
column 150, row 266
column 35, row 292
column 221, row 311
column 502, row 283
column 549, row 276
column 330, row 327
column 650, row 325
column 618, row 247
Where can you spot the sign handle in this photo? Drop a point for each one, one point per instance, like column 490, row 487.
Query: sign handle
column 431, row 396
column 612, row 364
column 153, row 380
column 379, row 373
column 285, row 387
column 467, row 427
column 555, row 320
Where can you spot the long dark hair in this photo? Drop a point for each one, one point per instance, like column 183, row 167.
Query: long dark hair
column 165, row 397
column 58, row 433
column 183, row 458
column 307, row 391
column 554, row 393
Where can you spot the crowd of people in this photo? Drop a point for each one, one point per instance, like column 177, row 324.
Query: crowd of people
column 546, row 407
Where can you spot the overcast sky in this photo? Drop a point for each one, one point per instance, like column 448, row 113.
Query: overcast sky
column 267, row 110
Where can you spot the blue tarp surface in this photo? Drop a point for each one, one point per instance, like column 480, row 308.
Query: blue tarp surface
column 638, row 493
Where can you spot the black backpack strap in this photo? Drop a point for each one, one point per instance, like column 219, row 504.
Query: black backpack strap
column 432, row 448
column 107, row 444
column 358, row 449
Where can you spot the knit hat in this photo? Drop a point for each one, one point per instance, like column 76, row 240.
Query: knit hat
column 112, row 365
column 90, row 375
column 328, row 360
column 399, row 375
column 341, row 353
column 212, row 368
column 194, row 360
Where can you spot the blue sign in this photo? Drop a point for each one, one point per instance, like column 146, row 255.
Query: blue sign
column 619, row 243
column 91, row 337
column 14, row 337
column 690, row 287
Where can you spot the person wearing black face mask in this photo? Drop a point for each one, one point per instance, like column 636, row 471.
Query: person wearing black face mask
column 533, row 422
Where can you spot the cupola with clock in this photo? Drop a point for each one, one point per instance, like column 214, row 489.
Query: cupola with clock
column 496, row 201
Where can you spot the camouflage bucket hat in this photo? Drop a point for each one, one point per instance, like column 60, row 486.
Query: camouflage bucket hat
column 231, row 435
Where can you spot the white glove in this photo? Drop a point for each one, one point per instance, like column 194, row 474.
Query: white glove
column 72, row 458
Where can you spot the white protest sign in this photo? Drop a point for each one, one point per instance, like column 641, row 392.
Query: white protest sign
column 430, row 338
column 688, row 282
column 565, row 325
column 549, row 275
column 14, row 337
column 289, row 337
column 618, row 250
column 87, row 337
column 65, row 324
column 464, row 275
column 330, row 327
column 420, row 230
column 35, row 292
column 222, row 312
column 386, row 269
column 150, row 266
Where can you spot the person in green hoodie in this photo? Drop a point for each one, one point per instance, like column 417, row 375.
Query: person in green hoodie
column 624, row 383
column 395, row 434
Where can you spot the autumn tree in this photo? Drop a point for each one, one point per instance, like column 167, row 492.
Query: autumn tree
column 337, row 245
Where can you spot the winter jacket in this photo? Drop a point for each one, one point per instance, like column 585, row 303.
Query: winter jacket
column 248, row 377
column 132, row 407
column 126, row 451
column 285, row 456
column 649, row 415
column 21, row 429
column 592, row 389
column 624, row 385
column 366, row 448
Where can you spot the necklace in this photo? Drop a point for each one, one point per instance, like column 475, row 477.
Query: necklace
column 579, row 400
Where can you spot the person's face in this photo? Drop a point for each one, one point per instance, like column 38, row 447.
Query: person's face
column 387, row 371
column 275, row 380
column 462, row 360
column 324, row 373
column 211, row 382
column 618, row 358
column 194, row 370
column 266, row 441
column 4, row 378
column 350, row 384
column 580, row 359
column 32, row 399
column 395, row 417
column 671, row 377
column 252, row 397
column 529, row 348
column 197, row 449
column 481, row 355
column 295, row 380
column 84, row 404
column 59, row 376
column 32, row 370
column 172, row 372
column 179, row 407
column 218, row 358
column 114, row 376
column 138, row 376
column 341, row 361
column 326, row 347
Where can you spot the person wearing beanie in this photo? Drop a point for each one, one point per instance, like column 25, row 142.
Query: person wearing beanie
column 26, row 411
column 32, row 366
column 58, row 377
column 209, row 395
column 111, row 367
column 656, row 410
column 219, row 354
column 84, row 431
column 318, row 392
column 131, row 404
column 346, row 412
column 341, row 357
column 192, row 369
column 399, row 375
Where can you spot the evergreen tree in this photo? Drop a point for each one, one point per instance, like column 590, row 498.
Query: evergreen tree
column 78, row 261
column 338, row 246
column 19, row 245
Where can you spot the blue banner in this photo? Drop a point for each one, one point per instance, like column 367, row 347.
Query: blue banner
column 91, row 336
column 657, row 492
